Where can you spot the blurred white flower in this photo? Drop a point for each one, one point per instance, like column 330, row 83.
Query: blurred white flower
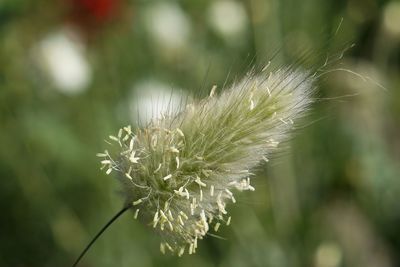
column 61, row 56
column 151, row 98
column 391, row 18
column 168, row 25
column 328, row 255
column 228, row 18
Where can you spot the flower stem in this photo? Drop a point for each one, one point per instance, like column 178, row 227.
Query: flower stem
column 115, row 217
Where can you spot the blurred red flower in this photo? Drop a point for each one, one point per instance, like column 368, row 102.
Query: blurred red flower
column 89, row 12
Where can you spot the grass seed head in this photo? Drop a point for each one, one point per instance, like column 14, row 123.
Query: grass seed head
column 182, row 170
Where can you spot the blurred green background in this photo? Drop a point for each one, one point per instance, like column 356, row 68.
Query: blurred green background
column 74, row 71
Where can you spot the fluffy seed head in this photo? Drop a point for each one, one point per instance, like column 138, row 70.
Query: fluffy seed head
column 181, row 171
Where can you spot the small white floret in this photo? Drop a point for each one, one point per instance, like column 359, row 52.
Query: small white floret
column 167, row 177
column 179, row 131
column 114, row 138
column 199, row 182
column 216, row 227
column 213, row 89
column 181, row 251
column 136, row 214
column 174, row 149
column 162, row 248
column 132, row 157
column 137, row 202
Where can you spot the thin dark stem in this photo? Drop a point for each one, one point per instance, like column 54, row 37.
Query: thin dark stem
column 116, row 216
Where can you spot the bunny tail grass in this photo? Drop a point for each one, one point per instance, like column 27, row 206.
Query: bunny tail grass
column 182, row 170
column 116, row 216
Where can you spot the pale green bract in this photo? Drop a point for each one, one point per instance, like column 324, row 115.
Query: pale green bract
column 180, row 172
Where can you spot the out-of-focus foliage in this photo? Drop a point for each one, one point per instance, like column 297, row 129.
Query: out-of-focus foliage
column 74, row 71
